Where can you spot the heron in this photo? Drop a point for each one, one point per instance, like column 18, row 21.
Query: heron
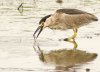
column 63, row 19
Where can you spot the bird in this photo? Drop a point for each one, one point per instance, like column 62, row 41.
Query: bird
column 63, row 19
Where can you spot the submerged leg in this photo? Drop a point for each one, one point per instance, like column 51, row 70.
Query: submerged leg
column 75, row 44
column 72, row 38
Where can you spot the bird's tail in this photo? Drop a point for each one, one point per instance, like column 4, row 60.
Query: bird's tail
column 94, row 18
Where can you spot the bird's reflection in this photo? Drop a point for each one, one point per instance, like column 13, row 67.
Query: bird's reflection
column 64, row 59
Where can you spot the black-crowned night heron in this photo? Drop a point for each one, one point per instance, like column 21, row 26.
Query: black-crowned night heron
column 64, row 19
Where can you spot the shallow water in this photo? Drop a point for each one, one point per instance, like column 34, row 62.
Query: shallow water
column 16, row 41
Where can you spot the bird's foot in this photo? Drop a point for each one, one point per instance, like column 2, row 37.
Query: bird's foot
column 67, row 39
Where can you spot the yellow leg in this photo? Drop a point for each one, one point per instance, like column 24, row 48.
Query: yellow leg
column 72, row 38
column 75, row 33
column 75, row 44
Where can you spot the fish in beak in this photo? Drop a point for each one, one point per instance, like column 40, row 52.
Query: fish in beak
column 39, row 30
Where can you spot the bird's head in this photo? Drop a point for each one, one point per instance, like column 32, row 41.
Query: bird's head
column 39, row 30
column 42, row 24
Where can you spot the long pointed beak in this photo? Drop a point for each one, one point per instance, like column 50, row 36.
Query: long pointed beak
column 40, row 28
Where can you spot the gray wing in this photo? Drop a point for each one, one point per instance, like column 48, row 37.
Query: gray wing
column 71, row 11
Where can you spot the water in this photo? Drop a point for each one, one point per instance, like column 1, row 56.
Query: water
column 16, row 41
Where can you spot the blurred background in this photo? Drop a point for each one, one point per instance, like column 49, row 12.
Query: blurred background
column 20, row 18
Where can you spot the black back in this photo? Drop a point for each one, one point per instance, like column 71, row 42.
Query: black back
column 44, row 19
column 71, row 11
